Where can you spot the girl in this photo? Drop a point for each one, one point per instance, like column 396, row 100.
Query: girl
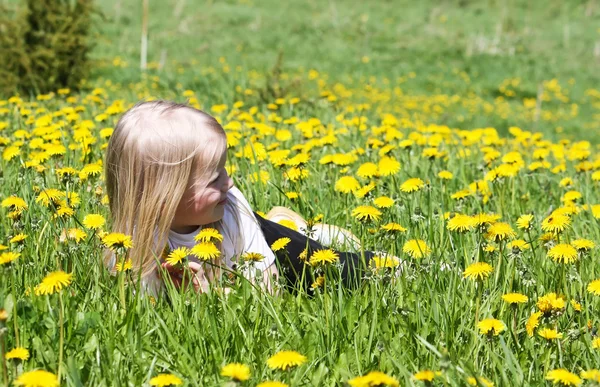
column 166, row 181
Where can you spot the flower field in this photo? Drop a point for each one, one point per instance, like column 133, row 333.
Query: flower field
column 495, row 235
column 494, row 279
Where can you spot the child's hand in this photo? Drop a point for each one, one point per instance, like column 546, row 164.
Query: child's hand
column 194, row 274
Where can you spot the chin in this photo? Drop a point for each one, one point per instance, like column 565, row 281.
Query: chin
column 218, row 214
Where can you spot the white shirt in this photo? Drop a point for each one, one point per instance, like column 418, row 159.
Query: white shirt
column 251, row 239
column 248, row 229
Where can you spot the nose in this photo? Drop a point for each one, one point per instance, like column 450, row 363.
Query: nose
column 228, row 184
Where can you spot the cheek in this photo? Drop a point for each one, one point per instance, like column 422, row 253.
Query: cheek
column 188, row 204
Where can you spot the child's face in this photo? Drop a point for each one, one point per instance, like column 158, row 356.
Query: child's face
column 200, row 206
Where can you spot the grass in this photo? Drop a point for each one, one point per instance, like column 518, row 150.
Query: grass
column 425, row 318
column 486, row 42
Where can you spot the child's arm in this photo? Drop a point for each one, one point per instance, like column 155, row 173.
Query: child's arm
column 195, row 275
column 200, row 282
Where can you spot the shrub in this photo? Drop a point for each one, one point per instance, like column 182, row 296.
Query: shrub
column 45, row 45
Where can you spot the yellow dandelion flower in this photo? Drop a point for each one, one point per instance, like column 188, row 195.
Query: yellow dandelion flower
column 296, row 174
column 289, row 224
column 461, row 223
column 550, row 302
column 563, row 377
column 88, row 170
column 18, row 353
column 388, row 166
column 591, row 375
column 515, row 298
column 524, row 221
column 209, row 234
column 491, row 326
column 424, row 375
column 364, row 191
column 14, row 203
column 412, row 185
column 576, row 306
column 483, row 219
column 571, row 196
column 383, row 202
column 445, row 175
column 163, row 380
column 367, row 170
column 37, row 378
column 478, row 271
column 76, row 234
column 556, row 223
column 64, row 211
column 563, row 253
column 583, row 244
column 346, row 184
column 549, row 334
column 566, row 182
column 594, row 287
column 236, row 371
column 366, row 213
column 124, row 266
column 253, row 257
column 373, row 378
column 280, row 244
column 66, row 172
column 117, row 240
column 271, row 383
column 286, row 359
column 416, row 248
column 480, row 381
column 596, row 343
column 489, row 249
column 387, row 261
column 533, row 322
column 205, row 251
column 500, row 231
column 8, row 257
column 177, row 256
column 547, row 237
column 323, row 257
column 93, row 221
column 319, row 282
column 461, row 194
column 53, row 282
column 262, row 177
column 11, row 152
column 393, row 228
column 18, row 238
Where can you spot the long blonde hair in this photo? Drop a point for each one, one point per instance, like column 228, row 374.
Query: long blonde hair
column 155, row 150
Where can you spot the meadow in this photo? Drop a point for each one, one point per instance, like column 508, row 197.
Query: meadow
column 460, row 137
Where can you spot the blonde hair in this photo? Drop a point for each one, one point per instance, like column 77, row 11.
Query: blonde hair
column 156, row 150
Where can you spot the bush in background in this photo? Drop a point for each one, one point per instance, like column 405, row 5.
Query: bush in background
column 44, row 45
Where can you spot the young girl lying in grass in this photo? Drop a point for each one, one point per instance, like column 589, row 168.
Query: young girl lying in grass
column 168, row 188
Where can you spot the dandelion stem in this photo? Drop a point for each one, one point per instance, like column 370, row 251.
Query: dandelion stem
column 122, row 290
column 15, row 322
column 547, row 362
column 61, row 334
column 513, row 270
column 499, row 267
column 514, row 326
column 2, row 352
column 477, row 302
column 531, row 242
